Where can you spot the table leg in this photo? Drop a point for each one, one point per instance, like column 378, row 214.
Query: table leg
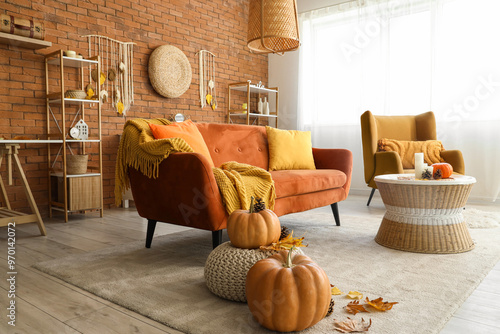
column 29, row 195
column 4, row 192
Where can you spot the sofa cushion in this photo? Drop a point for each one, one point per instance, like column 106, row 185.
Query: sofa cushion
column 289, row 149
column 234, row 142
column 296, row 182
column 186, row 130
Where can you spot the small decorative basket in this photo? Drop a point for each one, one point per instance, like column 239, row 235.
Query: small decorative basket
column 76, row 164
column 75, row 94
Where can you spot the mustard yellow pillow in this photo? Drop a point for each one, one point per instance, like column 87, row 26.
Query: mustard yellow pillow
column 289, row 149
column 407, row 149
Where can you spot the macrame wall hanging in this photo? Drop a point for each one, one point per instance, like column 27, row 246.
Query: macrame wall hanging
column 117, row 71
column 208, row 93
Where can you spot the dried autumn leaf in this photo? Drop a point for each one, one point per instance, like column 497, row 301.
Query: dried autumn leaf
column 352, row 326
column 354, row 307
column 379, row 304
column 355, row 295
column 286, row 243
column 336, row 291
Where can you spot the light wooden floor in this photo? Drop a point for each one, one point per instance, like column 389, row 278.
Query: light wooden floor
column 48, row 305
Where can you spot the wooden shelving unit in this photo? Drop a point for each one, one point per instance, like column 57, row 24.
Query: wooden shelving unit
column 250, row 89
column 80, row 192
column 23, row 42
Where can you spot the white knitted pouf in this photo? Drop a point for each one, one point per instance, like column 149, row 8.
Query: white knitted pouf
column 227, row 267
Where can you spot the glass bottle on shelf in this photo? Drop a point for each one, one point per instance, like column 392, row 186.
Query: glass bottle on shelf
column 260, row 106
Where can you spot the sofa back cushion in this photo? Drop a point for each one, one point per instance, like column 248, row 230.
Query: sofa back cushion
column 234, row 142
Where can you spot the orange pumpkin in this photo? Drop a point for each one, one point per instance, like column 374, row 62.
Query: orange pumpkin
column 252, row 229
column 445, row 170
column 287, row 292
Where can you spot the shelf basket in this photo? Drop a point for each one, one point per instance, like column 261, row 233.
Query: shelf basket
column 76, row 164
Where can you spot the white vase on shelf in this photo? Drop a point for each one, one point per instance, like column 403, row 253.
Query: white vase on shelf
column 266, row 106
column 260, row 106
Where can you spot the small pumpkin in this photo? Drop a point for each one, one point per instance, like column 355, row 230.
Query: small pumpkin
column 253, row 228
column 442, row 170
column 287, row 292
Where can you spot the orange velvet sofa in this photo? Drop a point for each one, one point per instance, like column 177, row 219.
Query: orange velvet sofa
column 186, row 193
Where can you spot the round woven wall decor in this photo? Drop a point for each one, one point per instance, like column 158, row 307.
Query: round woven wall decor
column 169, row 71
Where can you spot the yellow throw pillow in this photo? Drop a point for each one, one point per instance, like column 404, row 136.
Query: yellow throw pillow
column 289, row 149
column 407, row 149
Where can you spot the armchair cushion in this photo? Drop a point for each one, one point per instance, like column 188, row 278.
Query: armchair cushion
column 407, row 149
column 186, row 130
column 289, row 149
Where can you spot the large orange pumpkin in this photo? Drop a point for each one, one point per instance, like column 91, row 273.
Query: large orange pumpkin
column 445, row 170
column 251, row 229
column 287, row 292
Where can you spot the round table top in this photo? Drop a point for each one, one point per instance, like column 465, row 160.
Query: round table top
column 410, row 179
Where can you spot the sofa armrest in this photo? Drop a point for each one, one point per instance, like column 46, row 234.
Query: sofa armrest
column 184, row 193
column 455, row 159
column 335, row 158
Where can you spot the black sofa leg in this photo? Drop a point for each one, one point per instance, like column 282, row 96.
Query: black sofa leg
column 216, row 238
column 150, row 232
column 335, row 209
column 370, row 198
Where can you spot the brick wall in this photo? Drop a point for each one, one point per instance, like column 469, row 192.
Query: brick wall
column 217, row 25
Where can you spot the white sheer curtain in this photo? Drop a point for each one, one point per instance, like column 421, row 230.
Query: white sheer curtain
column 405, row 57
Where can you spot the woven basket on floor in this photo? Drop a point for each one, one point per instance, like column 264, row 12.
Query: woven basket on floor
column 169, row 71
column 76, row 164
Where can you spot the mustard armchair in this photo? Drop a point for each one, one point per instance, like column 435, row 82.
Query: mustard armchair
column 416, row 128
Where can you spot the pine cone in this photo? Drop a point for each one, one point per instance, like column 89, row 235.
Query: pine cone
column 330, row 308
column 284, row 232
column 259, row 205
column 438, row 174
column 426, row 175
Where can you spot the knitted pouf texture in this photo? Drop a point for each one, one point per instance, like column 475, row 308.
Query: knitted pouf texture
column 227, row 267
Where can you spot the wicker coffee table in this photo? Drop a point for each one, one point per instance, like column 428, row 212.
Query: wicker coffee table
column 424, row 216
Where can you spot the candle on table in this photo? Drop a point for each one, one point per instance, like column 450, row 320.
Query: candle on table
column 419, row 165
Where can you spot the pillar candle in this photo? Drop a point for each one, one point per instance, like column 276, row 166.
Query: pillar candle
column 419, row 165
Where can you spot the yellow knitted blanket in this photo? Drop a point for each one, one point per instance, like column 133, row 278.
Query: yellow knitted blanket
column 239, row 182
column 138, row 149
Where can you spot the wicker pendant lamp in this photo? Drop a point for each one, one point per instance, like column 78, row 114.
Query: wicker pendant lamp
column 273, row 26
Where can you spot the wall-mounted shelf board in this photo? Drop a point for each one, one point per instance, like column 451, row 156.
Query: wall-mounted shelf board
column 46, row 141
column 23, row 42
column 254, row 114
column 72, row 62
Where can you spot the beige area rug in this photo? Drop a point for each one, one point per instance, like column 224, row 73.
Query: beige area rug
column 166, row 282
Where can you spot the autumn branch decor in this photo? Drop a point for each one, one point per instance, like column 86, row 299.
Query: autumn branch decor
column 287, row 292
column 253, row 228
